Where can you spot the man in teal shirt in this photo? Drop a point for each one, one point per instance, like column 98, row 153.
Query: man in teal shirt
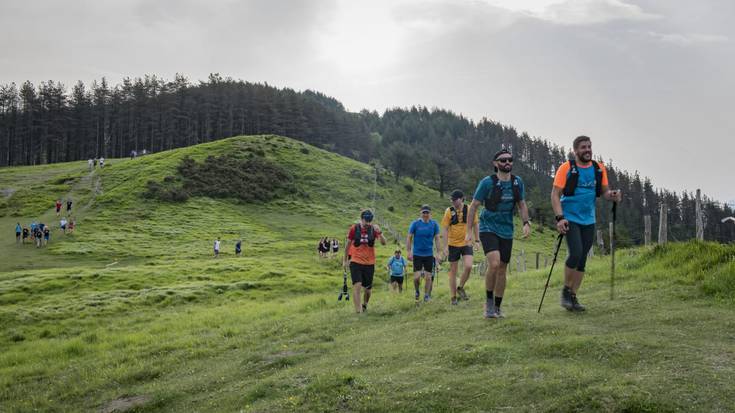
column 397, row 267
column 500, row 193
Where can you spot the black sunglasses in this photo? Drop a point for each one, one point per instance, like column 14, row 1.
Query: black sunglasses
column 504, row 160
column 426, row 212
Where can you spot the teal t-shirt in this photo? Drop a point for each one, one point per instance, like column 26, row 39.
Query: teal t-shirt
column 580, row 207
column 499, row 222
column 396, row 266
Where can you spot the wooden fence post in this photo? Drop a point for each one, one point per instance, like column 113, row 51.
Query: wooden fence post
column 662, row 224
column 699, row 218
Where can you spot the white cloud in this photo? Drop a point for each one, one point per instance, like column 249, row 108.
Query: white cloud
column 576, row 12
column 682, row 39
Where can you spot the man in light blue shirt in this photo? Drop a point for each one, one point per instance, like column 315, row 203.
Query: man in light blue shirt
column 397, row 267
column 422, row 240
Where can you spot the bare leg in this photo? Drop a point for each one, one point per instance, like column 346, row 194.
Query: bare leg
column 417, row 281
column 453, row 266
column 356, row 287
column 427, row 283
column 368, row 294
column 467, row 261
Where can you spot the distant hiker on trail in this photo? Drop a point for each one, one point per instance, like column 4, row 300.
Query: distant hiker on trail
column 320, row 247
column 577, row 185
column 335, row 246
column 34, row 225
column 68, row 206
column 501, row 193
column 95, row 162
column 71, row 225
column 216, row 248
column 397, row 267
column 39, row 236
column 90, row 162
column 58, row 207
column 422, row 239
column 361, row 257
column 18, row 232
column 62, row 224
column 238, row 248
column 46, row 235
column 102, row 162
column 25, row 234
column 133, row 154
column 454, row 230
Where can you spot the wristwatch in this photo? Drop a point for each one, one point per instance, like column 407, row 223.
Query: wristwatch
column 559, row 218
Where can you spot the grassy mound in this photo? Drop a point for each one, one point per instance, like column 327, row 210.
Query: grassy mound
column 132, row 307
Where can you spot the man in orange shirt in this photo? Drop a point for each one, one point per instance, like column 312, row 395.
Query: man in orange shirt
column 360, row 256
column 577, row 185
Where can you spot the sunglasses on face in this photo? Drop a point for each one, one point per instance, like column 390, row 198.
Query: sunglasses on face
column 504, row 160
column 426, row 212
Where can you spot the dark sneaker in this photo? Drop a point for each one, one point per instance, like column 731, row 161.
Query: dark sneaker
column 490, row 310
column 427, row 298
column 462, row 294
column 417, row 295
column 576, row 306
column 566, row 298
column 499, row 313
column 454, row 300
column 364, row 308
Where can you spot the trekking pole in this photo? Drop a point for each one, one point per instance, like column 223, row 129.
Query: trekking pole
column 612, row 251
column 558, row 245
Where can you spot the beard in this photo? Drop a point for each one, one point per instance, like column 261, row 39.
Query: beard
column 585, row 156
column 505, row 167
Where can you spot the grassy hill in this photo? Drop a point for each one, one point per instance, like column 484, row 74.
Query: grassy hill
column 132, row 312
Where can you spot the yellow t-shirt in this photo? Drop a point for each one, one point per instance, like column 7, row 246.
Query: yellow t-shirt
column 457, row 231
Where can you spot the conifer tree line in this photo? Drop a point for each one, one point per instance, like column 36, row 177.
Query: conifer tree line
column 50, row 123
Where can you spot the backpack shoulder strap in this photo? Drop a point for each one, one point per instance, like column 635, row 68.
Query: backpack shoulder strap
column 464, row 213
column 598, row 178
column 572, row 178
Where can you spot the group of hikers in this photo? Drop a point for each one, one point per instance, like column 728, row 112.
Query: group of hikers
column 218, row 244
column 39, row 233
column 327, row 248
column 464, row 229
column 92, row 162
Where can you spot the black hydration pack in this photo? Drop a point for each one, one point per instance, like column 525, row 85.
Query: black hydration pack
column 573, row 178
column 358, row 236
column 455, row 217
column 496, row 195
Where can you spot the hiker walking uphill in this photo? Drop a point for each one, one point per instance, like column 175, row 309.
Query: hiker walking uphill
column 501, row 194
column 360, row 257
column 577, row 184
column 58, row 207
column 454, row 229
column 397, row 268
column 422, row 239
column 216, row 248
column 18, row 231
column 68, row 206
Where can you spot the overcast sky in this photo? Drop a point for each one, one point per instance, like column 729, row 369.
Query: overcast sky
column 651, row 81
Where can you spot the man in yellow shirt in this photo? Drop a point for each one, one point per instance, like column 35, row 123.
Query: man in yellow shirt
column 454, row 228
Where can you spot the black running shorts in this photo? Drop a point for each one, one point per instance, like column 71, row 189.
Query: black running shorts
column 394, row 279
column 362, row 273
column 423, row 263
column 492, row 242
column 456, row 252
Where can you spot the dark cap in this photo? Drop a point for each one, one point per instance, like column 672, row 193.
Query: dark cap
column 367, row 215
column 501, row 152
column 425, row 207
column 457, row 194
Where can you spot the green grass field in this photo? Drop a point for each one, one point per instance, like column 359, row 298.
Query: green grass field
column 132, row 313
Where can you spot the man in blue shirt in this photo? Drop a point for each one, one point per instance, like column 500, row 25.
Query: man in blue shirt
column 577, row 185
column 18, row 230
column 397, row 267
column 501, row 194
column 422, row 240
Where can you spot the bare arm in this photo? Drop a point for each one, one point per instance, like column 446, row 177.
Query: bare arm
column 562, row 225
column 445, row 233
column 409, row 246
column 472, row 226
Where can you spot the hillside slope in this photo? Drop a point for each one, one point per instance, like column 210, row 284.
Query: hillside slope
column 132, row 311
